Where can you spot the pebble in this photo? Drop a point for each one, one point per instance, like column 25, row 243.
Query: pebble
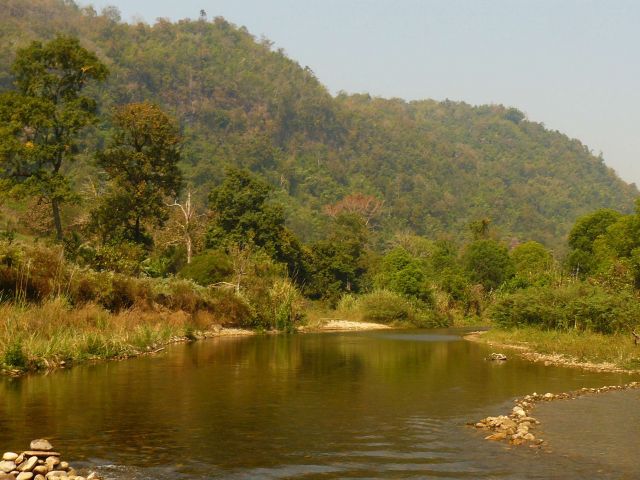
column 24, row 476
column 10, row 456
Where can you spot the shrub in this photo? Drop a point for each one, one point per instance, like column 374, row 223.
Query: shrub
column 14, row 356
column 579, row 306
column 384, row 306
column 208, row 268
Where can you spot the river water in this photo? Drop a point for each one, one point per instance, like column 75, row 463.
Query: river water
column 389, row 404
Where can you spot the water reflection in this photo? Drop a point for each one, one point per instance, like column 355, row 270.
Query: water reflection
column 384, row 405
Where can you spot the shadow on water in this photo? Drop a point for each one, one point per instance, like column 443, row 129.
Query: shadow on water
column 340, row 405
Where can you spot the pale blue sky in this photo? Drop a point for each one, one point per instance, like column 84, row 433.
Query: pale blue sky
column 572, row 64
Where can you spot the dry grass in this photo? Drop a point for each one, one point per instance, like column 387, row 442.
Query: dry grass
column 38, row 336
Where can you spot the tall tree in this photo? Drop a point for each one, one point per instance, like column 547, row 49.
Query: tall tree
column 142, row 164
column 42, row 119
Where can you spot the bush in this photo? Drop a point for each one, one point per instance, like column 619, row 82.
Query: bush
column 384, row 306
column 579, row 306
column 14, row 356
column 208, row 268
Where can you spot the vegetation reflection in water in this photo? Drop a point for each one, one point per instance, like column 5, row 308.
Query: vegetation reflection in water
column 333, row 405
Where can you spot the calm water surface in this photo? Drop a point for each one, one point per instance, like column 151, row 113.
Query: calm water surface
column 344, row 405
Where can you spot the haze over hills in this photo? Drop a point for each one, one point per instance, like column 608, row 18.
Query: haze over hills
column 437, row 165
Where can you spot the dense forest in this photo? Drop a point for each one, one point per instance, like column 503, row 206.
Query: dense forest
column 437, row 166
column 156, row 180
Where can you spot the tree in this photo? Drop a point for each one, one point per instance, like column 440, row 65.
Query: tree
column 337, row 264
column 367, row 206
column 487, row 262
column 531, row 260
column 42, row 119
column 244, row 216
column 141, row 162
column 584, row 234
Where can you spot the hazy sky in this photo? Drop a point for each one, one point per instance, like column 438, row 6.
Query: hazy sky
column 573, row 65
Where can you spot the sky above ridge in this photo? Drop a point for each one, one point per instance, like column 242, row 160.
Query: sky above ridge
column 573, row 65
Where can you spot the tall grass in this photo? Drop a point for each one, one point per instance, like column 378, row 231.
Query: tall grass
column 36, row 336
column 594, row 347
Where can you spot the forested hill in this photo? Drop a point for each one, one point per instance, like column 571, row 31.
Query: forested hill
column 437, row 165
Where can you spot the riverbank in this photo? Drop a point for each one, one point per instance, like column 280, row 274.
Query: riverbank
column 52, row 335
column 591, row 351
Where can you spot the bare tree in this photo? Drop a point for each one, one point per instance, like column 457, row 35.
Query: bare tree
column 367, row 206
column 189, row 224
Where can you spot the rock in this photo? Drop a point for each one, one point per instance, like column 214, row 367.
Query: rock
column 501, row 357
column 6, row 476
column 519, row 412
column 6, row 466
column 548, row 396
column 24, row 476
column 40, row 453
column 39, row 477
column 64, row 466
column 56, row 474
column 28, row 465
column 20, row 459
column 52, row 462
column 529, row 437
column 40, row 444
column 41, row 469
column 496, row 436
column 92, row 476
column 10, row 456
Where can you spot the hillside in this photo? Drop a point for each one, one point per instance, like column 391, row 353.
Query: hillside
column 437, row 165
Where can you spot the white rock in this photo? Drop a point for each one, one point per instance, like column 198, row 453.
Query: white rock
column 24, row 476
column 10, row 456
column 7, row 466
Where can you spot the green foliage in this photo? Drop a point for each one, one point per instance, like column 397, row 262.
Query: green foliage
column 384, row 306
column 533, row 264
column 14, row 356
column 42, row 119
column 209, row 267
column 244, row 216
column 437, row 165
column 487, row 262
column 142, row 165
column 338, row 263
column 578, row 306
column 583, row 236
column 400, row 272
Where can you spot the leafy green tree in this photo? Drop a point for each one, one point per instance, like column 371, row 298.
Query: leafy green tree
column 400, row 272
column 243, row 215
column 338, row 263
column 141, row 162
column 487, row 262
column 531, row 260
column 584, row 234
column 43, row 118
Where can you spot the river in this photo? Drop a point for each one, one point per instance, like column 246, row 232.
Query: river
column 383, row 404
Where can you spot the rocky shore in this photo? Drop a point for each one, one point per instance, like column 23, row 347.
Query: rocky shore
column 40, row 462
column 519, row 426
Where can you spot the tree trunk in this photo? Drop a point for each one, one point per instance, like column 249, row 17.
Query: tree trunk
column 55, row 207
column 189, row 243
